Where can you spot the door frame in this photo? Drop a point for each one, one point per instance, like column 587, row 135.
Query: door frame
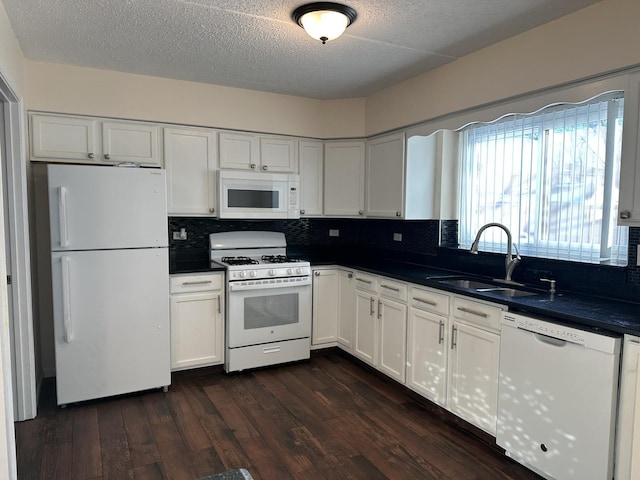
column 20, row 267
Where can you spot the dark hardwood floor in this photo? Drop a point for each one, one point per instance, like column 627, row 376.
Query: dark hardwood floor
column 328, row 418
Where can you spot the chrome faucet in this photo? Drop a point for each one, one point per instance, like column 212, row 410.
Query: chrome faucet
column 510, row 261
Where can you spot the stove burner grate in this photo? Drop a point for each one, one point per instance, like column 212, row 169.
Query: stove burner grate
column 278, row 259
column 239, row 261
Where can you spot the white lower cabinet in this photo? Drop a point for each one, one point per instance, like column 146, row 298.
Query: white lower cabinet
column 393, row 338
column 427, row 343
column 627, row 464
column 326, row 306
column 474, row 361
column 346, row 320
column 197, row 320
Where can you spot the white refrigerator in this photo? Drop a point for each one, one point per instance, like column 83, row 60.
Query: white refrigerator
column 110, row 280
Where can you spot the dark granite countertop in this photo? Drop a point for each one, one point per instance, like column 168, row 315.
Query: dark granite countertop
column 595, row 313
column 192, row 262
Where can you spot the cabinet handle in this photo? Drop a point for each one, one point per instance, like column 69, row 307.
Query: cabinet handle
column 212, row 210
column 379, row 309
column 428, row 302
column 363, row 280
column 62, row 213
column 473, row 312
column 271, row 349
column 264, row 168
column 360, row 212
column 91, row 155
column 203, row 282
column 317, row 274
column 252, row 166
column 107, row 156
column 625, row 214
column 349, row 275
column 371, row 307
column 301, row 212
column 66, row 299
column 398, row 214
column 219, row 306
column 390, row 288
column 454, row 330
column 441, row 333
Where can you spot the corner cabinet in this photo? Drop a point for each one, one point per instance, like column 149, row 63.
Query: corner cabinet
column 89, row 140
column 197, row 320
column 344, row 167
column 190, row 157
column 629, row 202
column 246, row 151
column 385, row 176
column 326, row 306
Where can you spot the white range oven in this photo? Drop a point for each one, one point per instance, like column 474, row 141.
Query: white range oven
column 268, row 317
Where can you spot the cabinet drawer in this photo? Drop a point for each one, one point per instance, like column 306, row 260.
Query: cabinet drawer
column 429, row 301
column 393, row 289
column 195, row 283
column 367, row 283
column 477, row 313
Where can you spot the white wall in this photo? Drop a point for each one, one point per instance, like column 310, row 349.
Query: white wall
column 12, row 74
column 600, row 38
column 68, row 89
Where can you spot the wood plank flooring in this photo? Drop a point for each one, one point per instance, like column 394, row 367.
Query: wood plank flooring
column 328, row 418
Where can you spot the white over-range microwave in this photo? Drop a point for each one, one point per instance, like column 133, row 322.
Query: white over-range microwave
column 258, row 195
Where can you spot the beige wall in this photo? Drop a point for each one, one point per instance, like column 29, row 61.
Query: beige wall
column 597, row 39
column 11, row 58
column 68, row 89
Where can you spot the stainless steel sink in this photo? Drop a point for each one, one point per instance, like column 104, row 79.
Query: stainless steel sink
column 484, row 287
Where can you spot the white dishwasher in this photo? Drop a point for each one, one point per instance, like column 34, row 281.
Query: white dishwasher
column 557, row 398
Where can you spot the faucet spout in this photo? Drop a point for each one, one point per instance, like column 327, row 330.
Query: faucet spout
column 510, row 260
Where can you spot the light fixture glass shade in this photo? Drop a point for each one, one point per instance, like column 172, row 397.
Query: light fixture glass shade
column 324, row 25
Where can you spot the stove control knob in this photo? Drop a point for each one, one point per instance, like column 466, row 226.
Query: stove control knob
column 272, row 273
column 242, row 274
column 253, row 273
column 299, row 270
column 289, row 271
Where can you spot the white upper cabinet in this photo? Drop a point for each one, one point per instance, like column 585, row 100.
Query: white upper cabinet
column 190, row 157
column 247, row 151
column 385, row 176
column 629, row 204
column 89, row 140
column 344, row 166
column 311, row 163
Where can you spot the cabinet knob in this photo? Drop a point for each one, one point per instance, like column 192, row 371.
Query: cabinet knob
column 360, row 212
column 264, row 168
column 212, row 210
column 317, row 274
column 398, row 214
column 625, row 214
column 301, row 212
column 107, row 156
column 92, row 155
column 252, row 166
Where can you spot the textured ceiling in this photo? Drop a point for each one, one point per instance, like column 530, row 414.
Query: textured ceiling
column 254, row 44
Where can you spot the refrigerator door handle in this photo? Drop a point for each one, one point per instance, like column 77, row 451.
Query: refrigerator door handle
column 66, row 299
column 62, row 212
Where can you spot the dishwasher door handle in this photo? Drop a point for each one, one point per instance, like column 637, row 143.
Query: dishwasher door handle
column 556, row 342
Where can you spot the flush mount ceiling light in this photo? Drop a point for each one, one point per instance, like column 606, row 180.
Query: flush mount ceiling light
column 324, row 21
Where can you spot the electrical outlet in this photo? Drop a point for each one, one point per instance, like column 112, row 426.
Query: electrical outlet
column 181, row 235
column 334, row 232
column 397, row 237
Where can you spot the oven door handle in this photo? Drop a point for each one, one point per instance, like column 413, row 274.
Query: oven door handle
column 252, row 285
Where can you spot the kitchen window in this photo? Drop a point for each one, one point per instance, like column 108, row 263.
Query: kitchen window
column 552, row 177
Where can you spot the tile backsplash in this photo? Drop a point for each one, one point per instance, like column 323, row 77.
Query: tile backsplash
column 429, row 242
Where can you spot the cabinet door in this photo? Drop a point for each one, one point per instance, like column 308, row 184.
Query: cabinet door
column 627, row 463
column 344, row 178
column 196, row 330
column 311, row 163
column 131, row 142
column 346, row 320
column 366, row 332
column 393, row 338
column 473, row 375
column 426, row 355
column 60, row 137
column 190, row 160
column 385, row 176
column 629, row 202
column 326, row 306
column 278, row 154
column 239, row 151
